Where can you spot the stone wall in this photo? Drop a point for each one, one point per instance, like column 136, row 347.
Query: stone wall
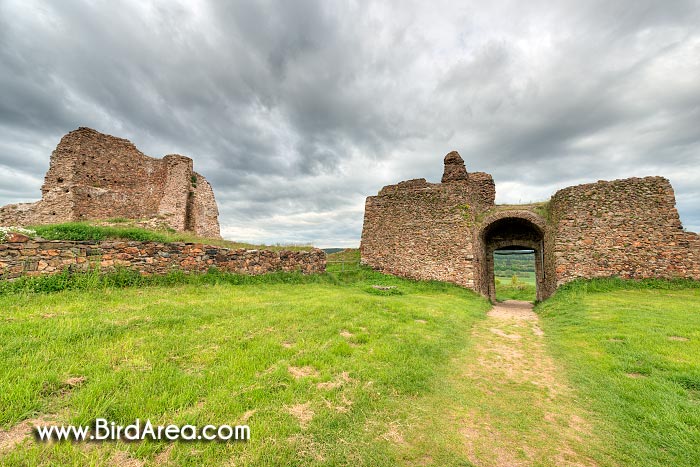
column 97, row 176
column 448, row 231
column 204, row 214
column 627, row 228
column 423, row 230
column 35, row 258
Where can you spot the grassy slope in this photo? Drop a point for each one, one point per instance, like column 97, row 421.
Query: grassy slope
column 634, row 356
column 208, row 353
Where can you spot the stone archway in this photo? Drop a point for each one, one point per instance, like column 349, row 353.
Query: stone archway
column 516, row 229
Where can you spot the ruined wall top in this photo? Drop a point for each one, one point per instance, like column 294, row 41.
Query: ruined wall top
column 626, row 228
column 97, row 176
column 454, row 168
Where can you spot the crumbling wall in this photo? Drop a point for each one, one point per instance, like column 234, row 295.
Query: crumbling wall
column 482, row 191
column 104, row 176
column 98, row 176
column 424, row 230
column 204, row 213
column 176, row 192
column 627, row 228
column 35, row 258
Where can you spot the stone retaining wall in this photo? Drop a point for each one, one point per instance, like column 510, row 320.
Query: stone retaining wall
column 35, row 258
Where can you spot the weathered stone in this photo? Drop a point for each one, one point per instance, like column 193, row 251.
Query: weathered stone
column 448, row 231
column 52, row 257
column 454, row 168
column 14, row 237
column 97, row 176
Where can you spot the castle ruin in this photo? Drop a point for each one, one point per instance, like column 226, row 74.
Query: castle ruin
column 97, row 176
column 449, row 231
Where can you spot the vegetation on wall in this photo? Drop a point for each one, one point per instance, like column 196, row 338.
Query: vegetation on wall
column 124, row 229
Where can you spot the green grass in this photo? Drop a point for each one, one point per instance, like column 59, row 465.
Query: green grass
column 523, row 289
column 210, row 348
column 78, row 231
column 350, row 256
column 394, row 377
column 524, row 292
column 632, row 350
column 125, row 230
column 522, row 267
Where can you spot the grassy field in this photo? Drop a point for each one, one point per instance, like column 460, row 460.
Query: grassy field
column 515, row 277
column 633, row 353
column 326, row 370
column 522, row 289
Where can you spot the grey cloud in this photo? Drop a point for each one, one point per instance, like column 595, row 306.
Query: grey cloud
column 295, row 111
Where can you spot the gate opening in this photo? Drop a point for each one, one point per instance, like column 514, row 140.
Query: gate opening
column 515, row 274
column 512, row 250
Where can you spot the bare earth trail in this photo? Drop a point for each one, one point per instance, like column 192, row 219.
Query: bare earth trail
column 521, row 411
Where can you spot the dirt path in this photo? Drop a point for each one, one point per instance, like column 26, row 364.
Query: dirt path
column 523, row 412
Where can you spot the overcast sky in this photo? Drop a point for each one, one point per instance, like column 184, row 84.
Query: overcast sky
column 296, row 111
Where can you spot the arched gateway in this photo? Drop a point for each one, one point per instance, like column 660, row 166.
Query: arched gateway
column 449, row 231
column 515, row 229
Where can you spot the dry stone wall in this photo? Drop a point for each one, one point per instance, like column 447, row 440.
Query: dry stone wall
column 35, row 258
column 423, row 230
column 448, row 231
column 97, row 176
column 417, row 230
column 626, row 228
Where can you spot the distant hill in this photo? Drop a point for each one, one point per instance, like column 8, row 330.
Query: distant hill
column 332, row 250
column 508, row 265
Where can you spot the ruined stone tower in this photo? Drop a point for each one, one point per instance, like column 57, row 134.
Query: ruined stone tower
column 448, row 231
column 97, row 176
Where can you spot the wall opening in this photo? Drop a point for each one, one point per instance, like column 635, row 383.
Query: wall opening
column 514, row 233
column 514, row 272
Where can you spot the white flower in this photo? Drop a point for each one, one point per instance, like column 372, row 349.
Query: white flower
column 5, row 230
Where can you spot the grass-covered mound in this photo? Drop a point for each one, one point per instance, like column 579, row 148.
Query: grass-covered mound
column 82, row 231
column 632, row 350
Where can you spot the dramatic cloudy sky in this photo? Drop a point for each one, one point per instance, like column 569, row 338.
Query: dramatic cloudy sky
column 297, row 110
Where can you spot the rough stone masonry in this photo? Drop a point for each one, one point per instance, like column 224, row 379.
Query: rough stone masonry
column 448, row 231
column 35, row 258
column 97, row 176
